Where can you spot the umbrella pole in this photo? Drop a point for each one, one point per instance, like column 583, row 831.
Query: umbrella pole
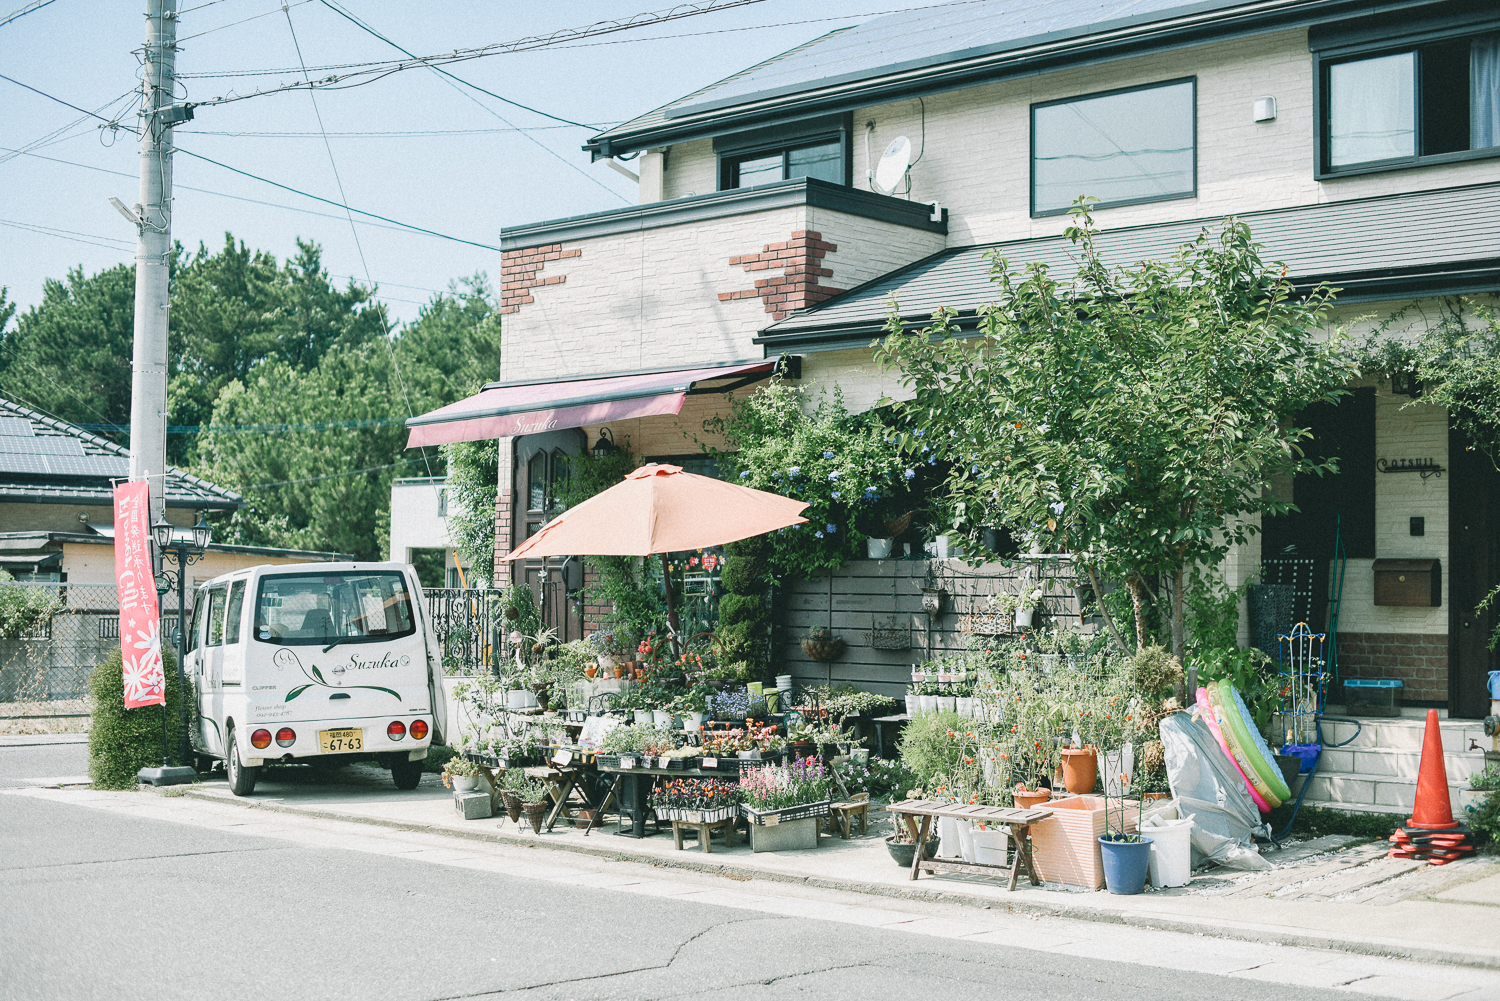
column 672, row 626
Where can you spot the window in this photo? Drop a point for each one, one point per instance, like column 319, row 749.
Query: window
column 443, row 503
column 1121, row 147
column 312, row 608
column 818, row 148
column 1397, row 108
column 200, row 606
column 233, row 614
column 216, row 616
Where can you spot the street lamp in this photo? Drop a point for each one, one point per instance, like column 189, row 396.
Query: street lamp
column 185, row 552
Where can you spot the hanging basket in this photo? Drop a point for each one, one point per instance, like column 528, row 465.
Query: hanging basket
column 889, row 636
column 822, row 646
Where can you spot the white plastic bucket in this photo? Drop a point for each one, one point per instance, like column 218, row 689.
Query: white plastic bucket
column 990, row 845
column 1171, row 852
column 878, row 549
column 966, row 841
column 948, row 846
column 783, row 682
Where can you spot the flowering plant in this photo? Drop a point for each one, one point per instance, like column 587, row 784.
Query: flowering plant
column 776, row 787
column 695, row 794
column 635, row 738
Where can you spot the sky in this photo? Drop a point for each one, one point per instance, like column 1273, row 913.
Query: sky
column 413, row 146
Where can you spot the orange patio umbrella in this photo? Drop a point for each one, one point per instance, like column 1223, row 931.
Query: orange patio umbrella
column 660, row 509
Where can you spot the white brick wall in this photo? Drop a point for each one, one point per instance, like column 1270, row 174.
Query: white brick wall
column 977, row 146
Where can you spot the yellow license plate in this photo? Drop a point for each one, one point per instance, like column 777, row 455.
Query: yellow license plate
column 337, row 741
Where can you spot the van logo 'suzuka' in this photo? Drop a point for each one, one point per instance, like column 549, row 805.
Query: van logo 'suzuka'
column 288, row 658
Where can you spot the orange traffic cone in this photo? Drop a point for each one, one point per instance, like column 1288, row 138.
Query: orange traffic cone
column 1433, row 810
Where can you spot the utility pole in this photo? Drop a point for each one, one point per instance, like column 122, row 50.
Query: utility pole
column 153, row 218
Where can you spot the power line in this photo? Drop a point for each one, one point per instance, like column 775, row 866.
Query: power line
column 329, row 201
column 373, row 422
column 379, row 71
column 16, row 15
column 403, row 134
column 67, row 104
column 123, row 246
column 231, row 24
column 452, row 80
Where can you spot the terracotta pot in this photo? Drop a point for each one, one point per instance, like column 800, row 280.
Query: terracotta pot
column 1027, row 798
column 619, row 670
column 1080, row 767
column 590, row 671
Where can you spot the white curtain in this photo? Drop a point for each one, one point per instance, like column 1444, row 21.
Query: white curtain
column 1371, row 109
column 1484, row 92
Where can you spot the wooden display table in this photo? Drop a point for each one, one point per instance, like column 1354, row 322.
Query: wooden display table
column 705, row 832
column 1017, row 821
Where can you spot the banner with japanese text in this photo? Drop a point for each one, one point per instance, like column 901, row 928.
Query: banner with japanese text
column 140, row 615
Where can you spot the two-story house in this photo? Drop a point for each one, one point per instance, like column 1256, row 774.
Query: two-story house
column 1361, row 142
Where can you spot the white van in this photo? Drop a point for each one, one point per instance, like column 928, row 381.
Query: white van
column 314, row 662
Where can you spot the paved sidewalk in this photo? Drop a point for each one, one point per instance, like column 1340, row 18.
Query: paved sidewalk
column 1323, row 894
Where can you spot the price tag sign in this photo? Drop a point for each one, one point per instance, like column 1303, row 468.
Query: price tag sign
column 710, row 763
column 773, row 820
column 661, row 762
column 626, row 762
column 562, row 758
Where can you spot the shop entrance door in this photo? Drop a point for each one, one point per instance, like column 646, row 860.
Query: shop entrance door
column 541, row 468
column 1474, row 571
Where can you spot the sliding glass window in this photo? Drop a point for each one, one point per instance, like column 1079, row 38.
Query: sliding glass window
column 1121, row 147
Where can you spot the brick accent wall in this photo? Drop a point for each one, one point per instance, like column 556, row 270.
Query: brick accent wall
column 520, row 272
column 593, row 611
column 1418, row 660
column 800, row 261
column 503, row 527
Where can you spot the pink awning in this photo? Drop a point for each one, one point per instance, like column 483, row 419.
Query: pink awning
column 502, row 410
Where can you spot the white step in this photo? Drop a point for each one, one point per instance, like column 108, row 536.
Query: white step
column 1398, row 764
column 1405, row 734
column 1369, row 793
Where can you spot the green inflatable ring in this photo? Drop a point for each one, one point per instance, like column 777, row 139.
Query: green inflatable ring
column 1250, row 739
column 1237, row 750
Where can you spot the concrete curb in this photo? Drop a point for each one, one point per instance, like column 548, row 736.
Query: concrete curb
column 1196, row 925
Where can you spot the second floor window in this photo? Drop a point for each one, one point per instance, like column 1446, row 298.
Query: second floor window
column 1121, row 147
column 1424, row 101
column 824, row 161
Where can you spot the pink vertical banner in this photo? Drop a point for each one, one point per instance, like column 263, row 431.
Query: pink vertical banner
column 140, row 616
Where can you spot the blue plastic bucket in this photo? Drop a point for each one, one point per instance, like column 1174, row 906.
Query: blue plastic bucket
column 1307, row 752
column 1125, row 864
column 1495, row 684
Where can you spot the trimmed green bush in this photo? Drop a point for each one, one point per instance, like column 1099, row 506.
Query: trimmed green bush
column 744, row 611
column 123, row 741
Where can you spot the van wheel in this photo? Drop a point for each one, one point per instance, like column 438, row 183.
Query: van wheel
column 406, row 774
column 241, row 777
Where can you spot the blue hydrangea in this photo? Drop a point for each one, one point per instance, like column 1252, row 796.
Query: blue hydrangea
column 818, row 534
column 920, row 433
column 911, row 474
column 744, row 474
column 834, row 477
column 830, row 528
column 836, row 495
column 827, row 454
column 794, row 470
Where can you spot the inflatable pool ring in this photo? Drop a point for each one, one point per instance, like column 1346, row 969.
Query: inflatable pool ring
column 1206, row 713
column 1237, row 751
column 1254, row 745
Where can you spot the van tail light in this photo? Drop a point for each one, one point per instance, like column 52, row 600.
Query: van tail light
column 396, row 730
column 261, row 739
column 286, row 736
column 418, row 729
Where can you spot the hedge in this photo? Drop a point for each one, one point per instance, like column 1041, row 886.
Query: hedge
column 123, row 741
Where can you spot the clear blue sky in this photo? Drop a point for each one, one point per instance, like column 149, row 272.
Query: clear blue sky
column 468, row 185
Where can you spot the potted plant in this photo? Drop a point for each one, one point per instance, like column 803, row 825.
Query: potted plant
column 1026, row 606
column 697, row 801
column 1126, row 857
column 1482, row 785
column 533, row 796
column 1025, row 798
column 512, row 785
column 783, row 804
column 460, row 774
column 821, row 645
column 903, row 849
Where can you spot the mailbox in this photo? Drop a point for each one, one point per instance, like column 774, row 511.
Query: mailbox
column 1411, row 583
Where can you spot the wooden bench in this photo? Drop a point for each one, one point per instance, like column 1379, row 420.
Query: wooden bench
column 841, row 815
column 1018, row 822
column 705, row 832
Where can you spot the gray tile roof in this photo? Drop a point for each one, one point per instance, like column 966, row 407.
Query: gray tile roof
column 43, row 459
column 956, row 45
column 1386, row 248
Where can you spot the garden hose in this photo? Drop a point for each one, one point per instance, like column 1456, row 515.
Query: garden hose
column 1277, row 839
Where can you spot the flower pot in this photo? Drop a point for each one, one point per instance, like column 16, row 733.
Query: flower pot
column 902, row 854
column 990, row 845
column 878, row 549
column 512, row 805
column 964, row 707
column 465, row 783
column 948, row 844
column 1125, row 864
column 1027, row 798
column 929, row 703
column 1471, row 801
column 591, row 670
column 913, row 704
column 661, row 718
column 694, row 721
column 1080, row 768
column 946, row 703
column 535, row 814
column 1023, row 618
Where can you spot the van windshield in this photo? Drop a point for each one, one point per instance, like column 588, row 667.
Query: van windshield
column 354, row 606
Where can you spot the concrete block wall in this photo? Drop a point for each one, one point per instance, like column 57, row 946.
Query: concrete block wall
column 1376, row 772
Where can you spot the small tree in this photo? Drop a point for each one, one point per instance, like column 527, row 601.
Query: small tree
column 1129, row 416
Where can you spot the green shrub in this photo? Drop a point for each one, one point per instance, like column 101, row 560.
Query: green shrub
column 437, row 756
column 938, row 744
column 123, row 741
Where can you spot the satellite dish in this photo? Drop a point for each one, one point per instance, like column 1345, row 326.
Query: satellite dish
column 891, row 169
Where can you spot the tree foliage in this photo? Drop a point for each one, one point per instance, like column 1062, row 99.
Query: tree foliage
column 473, row 480
column 1129, row 416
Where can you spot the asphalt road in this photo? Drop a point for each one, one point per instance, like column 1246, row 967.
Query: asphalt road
column 41, row 761
column 108, row 906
